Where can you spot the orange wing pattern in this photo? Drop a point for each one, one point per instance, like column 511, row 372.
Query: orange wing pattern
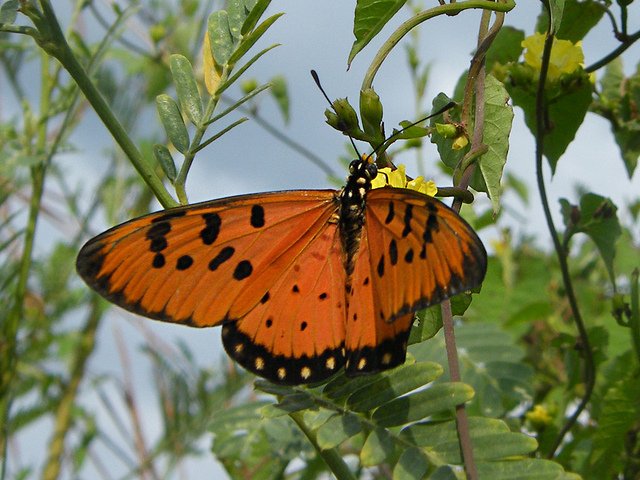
column 271, row 269
column 414, row 252
column 421, row 244
column 207, row 263
column 296, row 333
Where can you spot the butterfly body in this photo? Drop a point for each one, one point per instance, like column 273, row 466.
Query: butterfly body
column 303, row 283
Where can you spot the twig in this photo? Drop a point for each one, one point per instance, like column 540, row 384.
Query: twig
column 541, row 116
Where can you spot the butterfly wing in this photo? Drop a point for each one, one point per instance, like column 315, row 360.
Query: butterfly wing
column 207, row 263
column 296, row 333
column 415, row 252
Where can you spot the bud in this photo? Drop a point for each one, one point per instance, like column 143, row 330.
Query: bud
column 333, row 120
column 371, row 111
column 446, row 130
column 347, row 117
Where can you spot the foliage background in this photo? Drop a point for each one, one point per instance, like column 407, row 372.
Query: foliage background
column 234, row 165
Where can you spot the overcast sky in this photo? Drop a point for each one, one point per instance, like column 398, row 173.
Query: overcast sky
column 318, row 35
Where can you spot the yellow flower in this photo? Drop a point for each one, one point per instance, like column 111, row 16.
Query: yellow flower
column 398, row 178
column 566, row 57
column 539, row 416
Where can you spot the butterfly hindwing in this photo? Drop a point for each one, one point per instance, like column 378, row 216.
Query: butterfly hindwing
column 296, row 333
column 192, row 264
column 372, row 342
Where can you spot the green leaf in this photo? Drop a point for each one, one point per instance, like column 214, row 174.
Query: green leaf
column 567, row 106
column 338, row 429
column 412, row 465
column 491, row 364
column 254, row 16
column 370, row 17
column 429, row 324
column 597, row 218
column 556, row 8
column 410, row 408
column 398, row 382
column 186, row 87
column 281, row 95
column 578, row 18
column 526, row 469
column 172, row 121
column 9, row 12
column 164, row 158
column 505, row 48
column 253, row 37
column 620, row 410
column 222, row 42
column 289, row 404
column 377, row 448
column 491, row 440
column 497, row 127
column 236, row 16
column 342, row 386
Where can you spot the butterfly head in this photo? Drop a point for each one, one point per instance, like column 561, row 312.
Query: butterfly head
column 363, row 170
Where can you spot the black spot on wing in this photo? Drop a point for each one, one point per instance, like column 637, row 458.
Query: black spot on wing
column 408, row 257
column 184, row 262
column 323, row 295
column 210, row 232
column 225, row 254
column 390, row 214
column 265, row 298
column 380, row 267
column 393, row 252
column 243, row 270
column 257, row 216
column 408, row 214
column 158, row 260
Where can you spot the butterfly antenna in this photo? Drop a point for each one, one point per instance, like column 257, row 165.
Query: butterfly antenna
column 398, row 132
column 316, row 79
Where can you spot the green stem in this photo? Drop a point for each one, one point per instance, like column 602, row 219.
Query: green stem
column 634, row 320
column 332, row 458
column 63, row 418
column 406, row 27
column 8, row 348
column 55, row 44
column 561, row 253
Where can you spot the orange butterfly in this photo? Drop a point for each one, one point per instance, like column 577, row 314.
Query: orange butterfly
column 303, row 282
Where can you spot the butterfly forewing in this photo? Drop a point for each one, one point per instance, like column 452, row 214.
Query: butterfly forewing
column 421, row 251
column 191, row 264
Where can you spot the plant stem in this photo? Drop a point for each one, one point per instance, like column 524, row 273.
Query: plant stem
column 406, row 27
column 63, row 416
column 55, row 44
column 561, row 253
column 332, row 458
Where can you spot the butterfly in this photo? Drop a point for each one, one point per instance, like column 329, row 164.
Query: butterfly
column 304, row 283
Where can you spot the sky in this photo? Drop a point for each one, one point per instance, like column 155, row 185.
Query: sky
column 318, row 35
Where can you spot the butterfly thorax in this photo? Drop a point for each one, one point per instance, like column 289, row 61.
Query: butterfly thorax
column 352, row 207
